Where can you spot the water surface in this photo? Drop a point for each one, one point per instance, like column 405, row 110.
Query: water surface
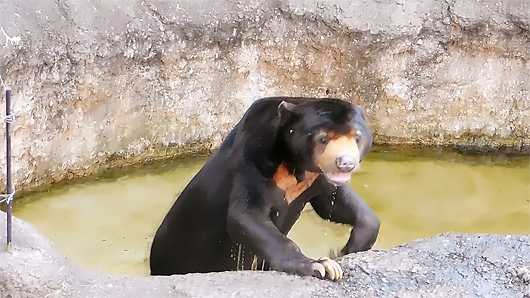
column 108, row 223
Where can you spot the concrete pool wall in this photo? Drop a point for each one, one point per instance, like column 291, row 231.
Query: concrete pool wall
column 101, row 83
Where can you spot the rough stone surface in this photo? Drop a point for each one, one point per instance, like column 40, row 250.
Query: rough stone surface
column 448, row 265
column 100, row 83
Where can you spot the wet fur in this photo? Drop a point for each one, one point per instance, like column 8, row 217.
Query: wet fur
column 234, row 211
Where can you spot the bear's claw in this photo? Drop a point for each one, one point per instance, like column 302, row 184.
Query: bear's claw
column 326, row 265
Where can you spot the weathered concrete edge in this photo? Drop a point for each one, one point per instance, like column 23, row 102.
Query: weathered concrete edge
column 155, row 153
column 35, row 269
column 163, row 153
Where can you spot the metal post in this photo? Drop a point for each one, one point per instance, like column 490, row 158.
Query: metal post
column 9, row 188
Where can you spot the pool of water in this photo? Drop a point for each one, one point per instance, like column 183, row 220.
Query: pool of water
column 107, row 223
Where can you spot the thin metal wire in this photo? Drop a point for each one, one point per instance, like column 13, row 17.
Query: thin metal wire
column 7, row 198
column 9, row 118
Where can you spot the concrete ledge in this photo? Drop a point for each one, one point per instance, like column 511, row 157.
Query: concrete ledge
column 447, row 265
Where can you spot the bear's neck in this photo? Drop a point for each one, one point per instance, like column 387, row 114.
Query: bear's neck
column 279, row 156
column 268, row 157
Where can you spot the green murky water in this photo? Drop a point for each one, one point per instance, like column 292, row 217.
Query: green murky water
column 108, row 223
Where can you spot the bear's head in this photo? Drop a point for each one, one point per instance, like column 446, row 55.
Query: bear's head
column 327, row 136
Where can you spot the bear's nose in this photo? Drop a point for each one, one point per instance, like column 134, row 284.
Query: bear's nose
column 345, row 163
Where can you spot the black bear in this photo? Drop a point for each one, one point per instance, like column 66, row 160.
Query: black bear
column 236, row 212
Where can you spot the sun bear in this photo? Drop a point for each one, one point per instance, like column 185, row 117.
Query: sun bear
column 236, row 212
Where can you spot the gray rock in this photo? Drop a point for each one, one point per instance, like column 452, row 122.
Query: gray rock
column 100, row 84
column 447, row 265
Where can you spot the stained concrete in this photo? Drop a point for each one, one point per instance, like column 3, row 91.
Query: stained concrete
column 449, row 265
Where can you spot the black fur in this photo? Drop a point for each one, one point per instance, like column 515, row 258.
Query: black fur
column 232, row 207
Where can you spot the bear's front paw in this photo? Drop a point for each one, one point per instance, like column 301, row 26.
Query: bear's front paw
column 327, row 268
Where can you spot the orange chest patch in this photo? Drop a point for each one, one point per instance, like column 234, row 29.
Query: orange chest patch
column 287, row 182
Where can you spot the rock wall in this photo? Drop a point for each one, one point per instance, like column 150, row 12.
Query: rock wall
column 100, row 83
column 446, row 266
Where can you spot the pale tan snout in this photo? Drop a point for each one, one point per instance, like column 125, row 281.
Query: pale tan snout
column 339, row 159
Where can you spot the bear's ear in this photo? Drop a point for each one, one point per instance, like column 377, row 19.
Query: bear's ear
column 359, row 110
column 287, row 113
column 284, row 107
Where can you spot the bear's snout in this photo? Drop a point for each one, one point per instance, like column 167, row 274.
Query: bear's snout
column 346, row 163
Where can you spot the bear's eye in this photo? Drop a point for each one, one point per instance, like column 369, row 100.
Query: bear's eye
column 323, row 140
column 358, row 135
